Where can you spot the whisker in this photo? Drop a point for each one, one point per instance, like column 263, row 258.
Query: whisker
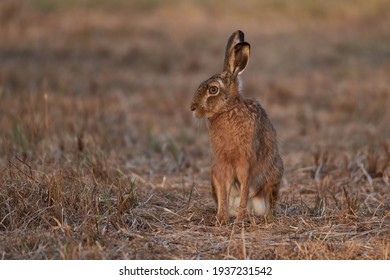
column 200, row 124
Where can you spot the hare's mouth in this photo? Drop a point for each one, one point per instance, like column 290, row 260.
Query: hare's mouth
column 199, row 111
column 197, row 114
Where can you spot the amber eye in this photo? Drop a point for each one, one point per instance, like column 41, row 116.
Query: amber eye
column 213, row 90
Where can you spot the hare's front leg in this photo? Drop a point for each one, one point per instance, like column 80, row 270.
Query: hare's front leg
column 243, row 178
column 220, row 186
column 221, row 198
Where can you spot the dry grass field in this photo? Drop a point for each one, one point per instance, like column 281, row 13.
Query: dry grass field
column 100, row 157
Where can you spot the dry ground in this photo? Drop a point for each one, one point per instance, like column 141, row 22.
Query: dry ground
column 100, row 157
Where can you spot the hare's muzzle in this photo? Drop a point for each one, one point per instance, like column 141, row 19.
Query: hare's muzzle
column 193, row 107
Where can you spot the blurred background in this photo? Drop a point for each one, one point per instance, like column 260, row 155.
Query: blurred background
column 119, row 71
column 93, row 88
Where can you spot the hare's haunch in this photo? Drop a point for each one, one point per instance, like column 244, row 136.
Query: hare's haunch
column 246, row 168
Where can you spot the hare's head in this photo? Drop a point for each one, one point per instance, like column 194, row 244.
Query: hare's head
column 220, row 92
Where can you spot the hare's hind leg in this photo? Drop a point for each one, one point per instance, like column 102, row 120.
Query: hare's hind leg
column 264, row 201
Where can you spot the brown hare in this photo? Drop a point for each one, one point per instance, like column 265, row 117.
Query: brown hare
column 246, row 168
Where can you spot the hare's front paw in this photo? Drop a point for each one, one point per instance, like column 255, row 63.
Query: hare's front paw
column 241, row 215
column 221, row 219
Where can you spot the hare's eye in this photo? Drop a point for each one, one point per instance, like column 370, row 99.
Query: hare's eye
column 213, row 90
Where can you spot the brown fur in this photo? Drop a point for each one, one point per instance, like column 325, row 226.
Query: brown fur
column 246, row 166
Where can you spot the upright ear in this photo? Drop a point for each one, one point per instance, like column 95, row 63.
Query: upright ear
column 234, row 39
column 238, row 59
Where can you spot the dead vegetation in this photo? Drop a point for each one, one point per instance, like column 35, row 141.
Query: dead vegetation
column 100, row 159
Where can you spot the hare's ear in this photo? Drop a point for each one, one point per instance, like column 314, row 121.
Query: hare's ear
column 234, row 39
column 238, row 59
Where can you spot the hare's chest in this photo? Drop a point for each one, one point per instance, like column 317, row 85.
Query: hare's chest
column 232, row 141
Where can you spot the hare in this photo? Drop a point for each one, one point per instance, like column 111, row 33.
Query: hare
column 246, row 168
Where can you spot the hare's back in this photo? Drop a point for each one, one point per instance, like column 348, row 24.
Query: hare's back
column 258, row 113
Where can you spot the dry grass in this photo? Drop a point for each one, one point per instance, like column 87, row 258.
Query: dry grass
column 100, row 159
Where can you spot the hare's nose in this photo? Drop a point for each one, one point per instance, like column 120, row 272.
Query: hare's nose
column 193, row 107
